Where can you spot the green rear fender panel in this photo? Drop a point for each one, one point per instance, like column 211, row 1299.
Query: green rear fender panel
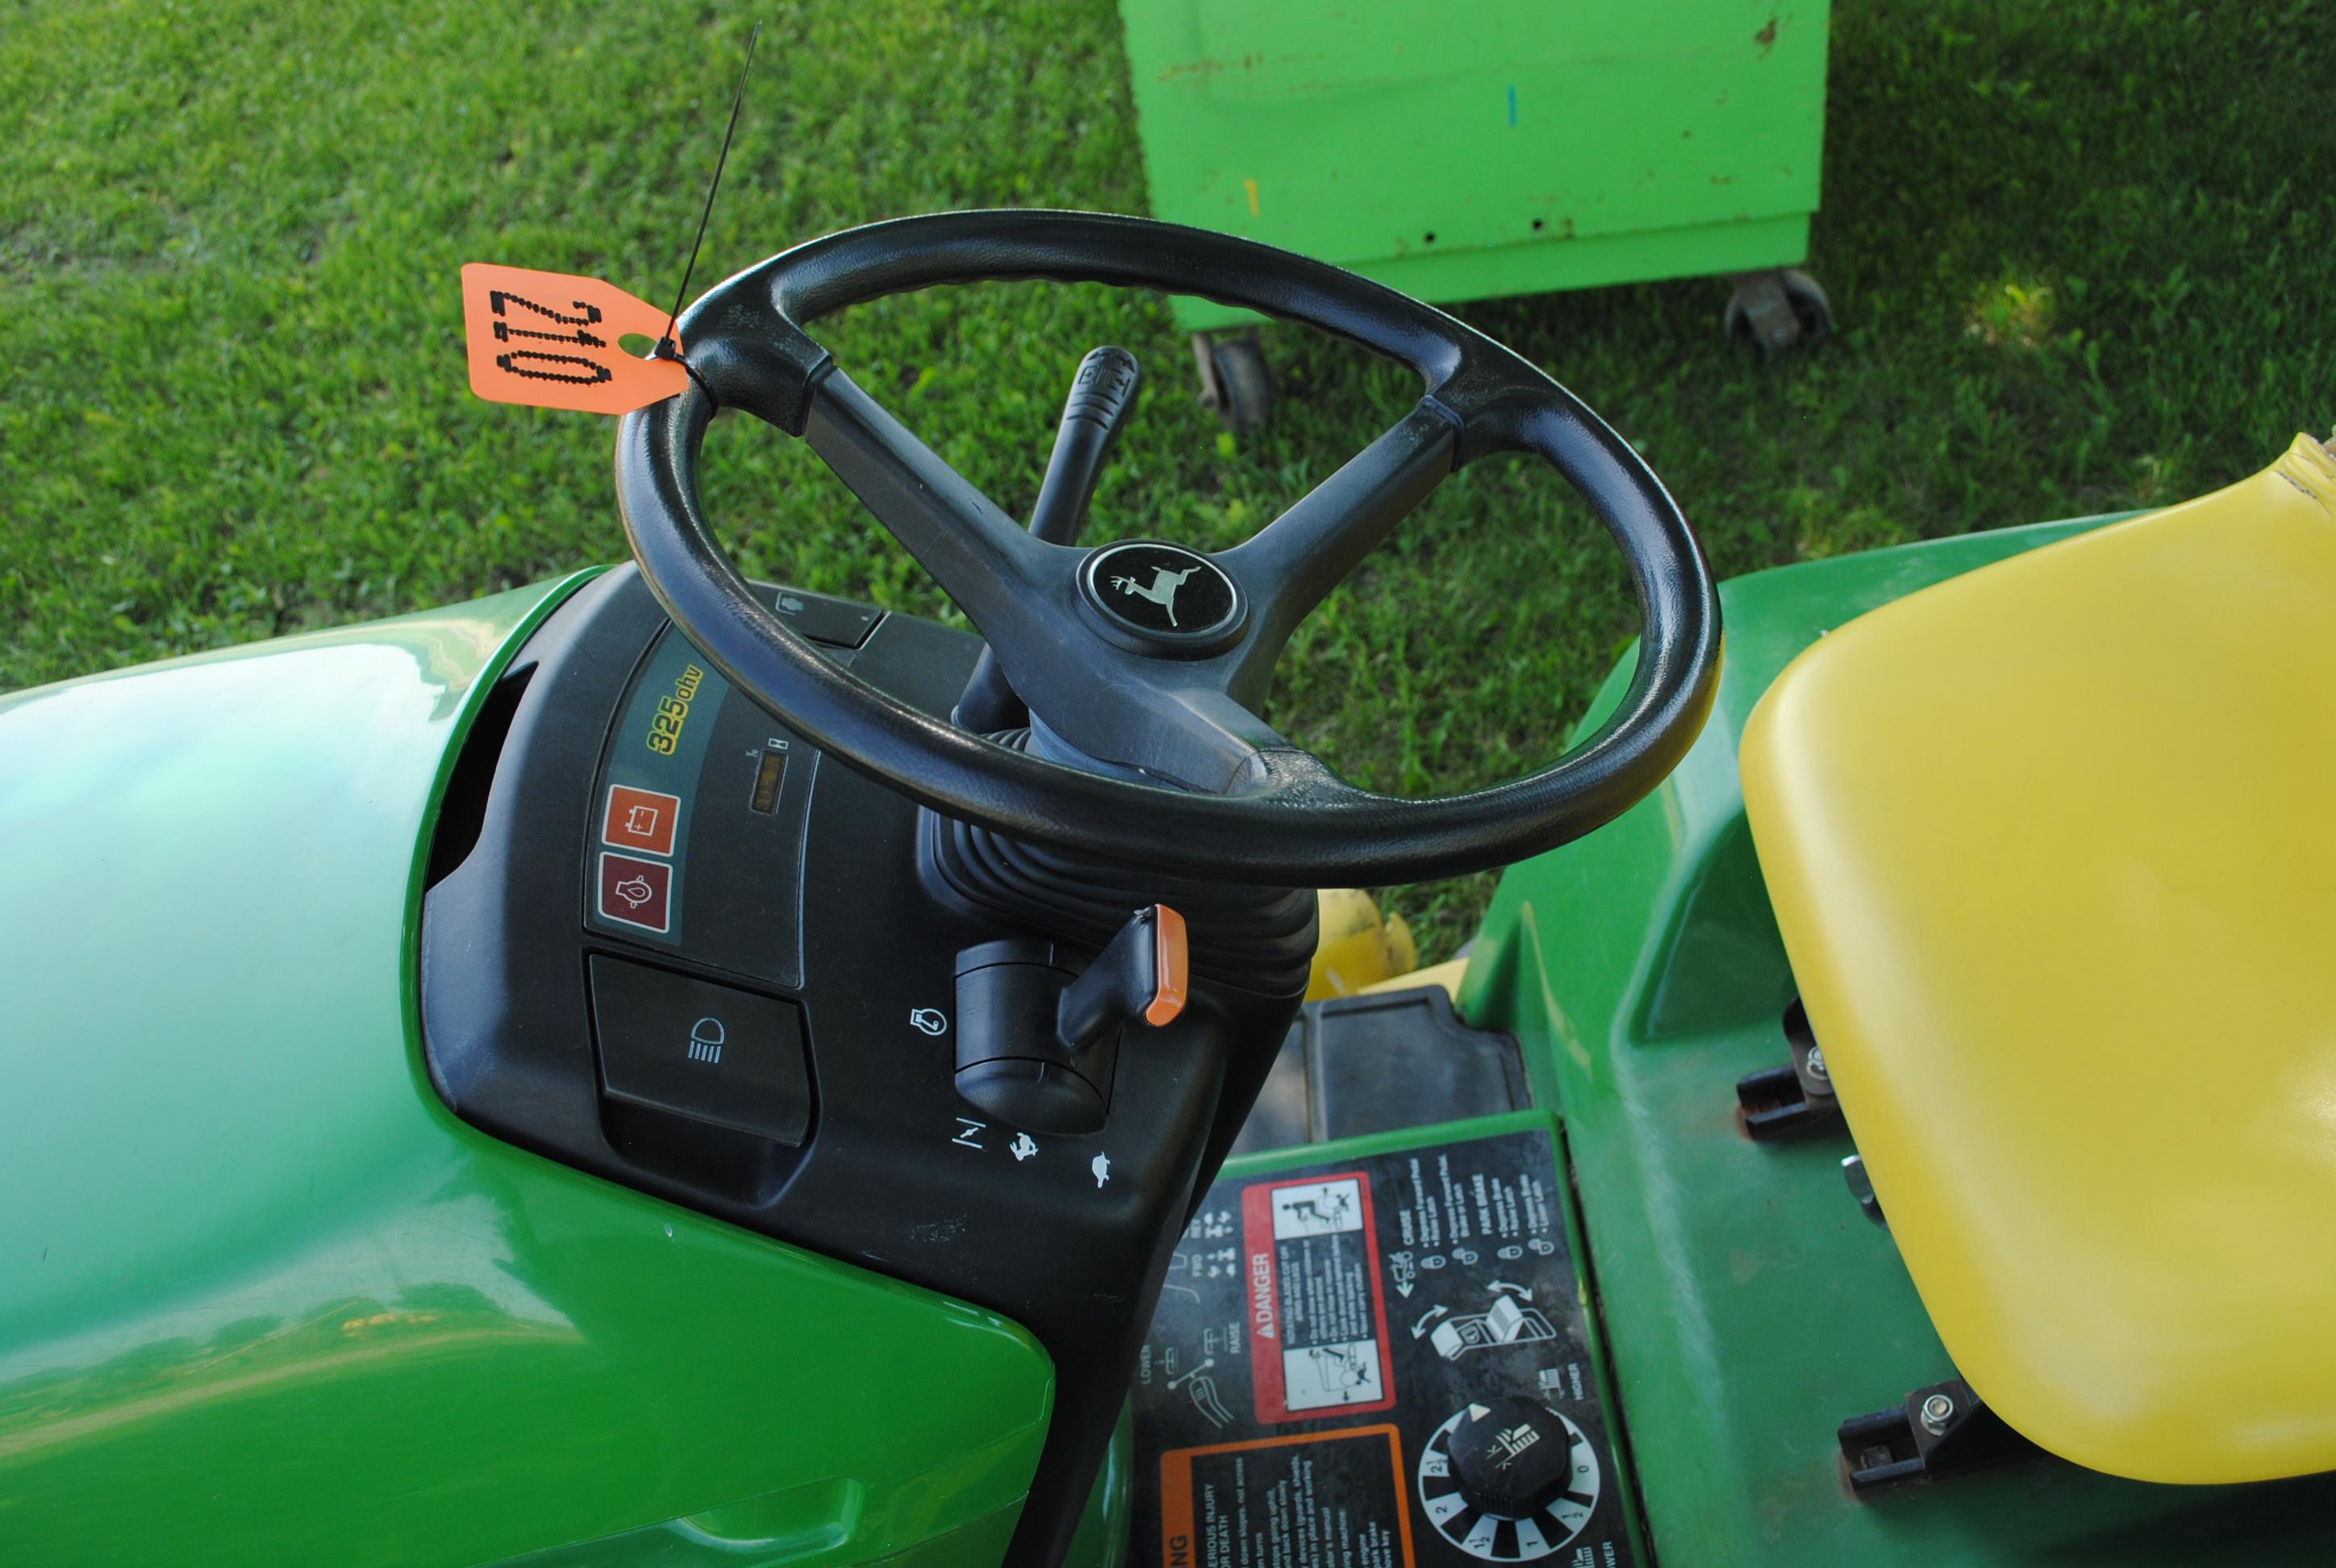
column 1748, row 1306
column 262, row 1298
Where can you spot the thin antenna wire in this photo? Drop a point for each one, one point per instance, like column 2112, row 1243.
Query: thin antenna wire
column 738, row 99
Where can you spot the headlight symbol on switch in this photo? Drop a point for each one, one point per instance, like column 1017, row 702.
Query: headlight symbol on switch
column 705, row 1038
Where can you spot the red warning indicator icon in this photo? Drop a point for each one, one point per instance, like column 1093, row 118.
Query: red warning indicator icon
column 639, row 819
column 638, row 893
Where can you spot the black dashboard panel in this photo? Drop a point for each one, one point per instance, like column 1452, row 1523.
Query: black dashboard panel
column 775, row 982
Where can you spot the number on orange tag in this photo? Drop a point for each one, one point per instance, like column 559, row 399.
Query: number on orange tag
column 551, row 341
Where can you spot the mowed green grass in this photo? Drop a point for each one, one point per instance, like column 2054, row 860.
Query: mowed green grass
column 2082, row 255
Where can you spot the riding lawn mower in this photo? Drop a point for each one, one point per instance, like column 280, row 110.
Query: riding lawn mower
column 656, row 1067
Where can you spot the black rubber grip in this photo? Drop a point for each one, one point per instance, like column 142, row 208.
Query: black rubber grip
column 1103, row 387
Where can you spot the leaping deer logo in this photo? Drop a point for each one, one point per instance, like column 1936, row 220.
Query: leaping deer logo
column 1161, row 590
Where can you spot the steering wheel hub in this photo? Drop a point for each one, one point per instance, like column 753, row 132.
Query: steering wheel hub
column 1170, row 599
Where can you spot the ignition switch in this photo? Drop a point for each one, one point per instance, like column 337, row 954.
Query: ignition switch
column 1037, row 1044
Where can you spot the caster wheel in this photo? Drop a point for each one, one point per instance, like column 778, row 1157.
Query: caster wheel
column 1233, row 381
column 1777, row 309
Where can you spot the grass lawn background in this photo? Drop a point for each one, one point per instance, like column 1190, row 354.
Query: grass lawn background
column 2080, row 255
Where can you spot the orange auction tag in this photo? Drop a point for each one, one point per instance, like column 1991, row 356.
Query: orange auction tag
column 550, row 340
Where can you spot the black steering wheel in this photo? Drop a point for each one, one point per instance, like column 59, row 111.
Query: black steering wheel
column 1141, row 662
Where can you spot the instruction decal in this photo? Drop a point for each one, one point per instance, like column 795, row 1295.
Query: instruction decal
column 1323, row 1330
column 553, row 340
column 1265, row 1500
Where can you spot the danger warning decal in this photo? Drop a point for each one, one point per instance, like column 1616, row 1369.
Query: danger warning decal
column 1316, row 1313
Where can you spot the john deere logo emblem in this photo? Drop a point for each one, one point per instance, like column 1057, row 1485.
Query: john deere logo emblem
column 1161, row 590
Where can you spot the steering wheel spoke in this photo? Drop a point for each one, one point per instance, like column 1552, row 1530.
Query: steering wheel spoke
column 1293, row 562
column 1011, row 584
column 1216, row 726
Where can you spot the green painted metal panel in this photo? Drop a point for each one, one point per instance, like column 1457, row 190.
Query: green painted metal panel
column 263, row 1299
column 1495, row 147
column 1748, row 1306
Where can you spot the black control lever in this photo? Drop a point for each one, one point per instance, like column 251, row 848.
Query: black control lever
column 1141, row 973
column 1101, row 396
column 1102, row 391
column 1037, row 1047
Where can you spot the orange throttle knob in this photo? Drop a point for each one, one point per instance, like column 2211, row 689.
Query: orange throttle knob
column 1140, row 976
column 1171, row 967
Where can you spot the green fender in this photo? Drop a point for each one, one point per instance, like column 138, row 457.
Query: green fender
column 262, row 1298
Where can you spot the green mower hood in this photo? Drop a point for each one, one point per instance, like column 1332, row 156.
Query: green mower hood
column 242, row 1223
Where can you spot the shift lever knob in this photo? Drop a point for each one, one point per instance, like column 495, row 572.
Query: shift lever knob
column 1105, row 388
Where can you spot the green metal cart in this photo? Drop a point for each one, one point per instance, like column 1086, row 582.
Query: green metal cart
column 1489, row 146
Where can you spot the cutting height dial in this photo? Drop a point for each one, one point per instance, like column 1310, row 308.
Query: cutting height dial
column 1509, row 1480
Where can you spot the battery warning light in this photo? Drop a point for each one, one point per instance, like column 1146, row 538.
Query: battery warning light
column 639, row 818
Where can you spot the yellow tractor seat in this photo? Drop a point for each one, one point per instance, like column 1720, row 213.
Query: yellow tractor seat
column 2053, row 849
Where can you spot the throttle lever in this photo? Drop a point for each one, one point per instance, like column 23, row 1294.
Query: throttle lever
column 1143, row 972
column 1103, row 393
column 1037, row 1046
